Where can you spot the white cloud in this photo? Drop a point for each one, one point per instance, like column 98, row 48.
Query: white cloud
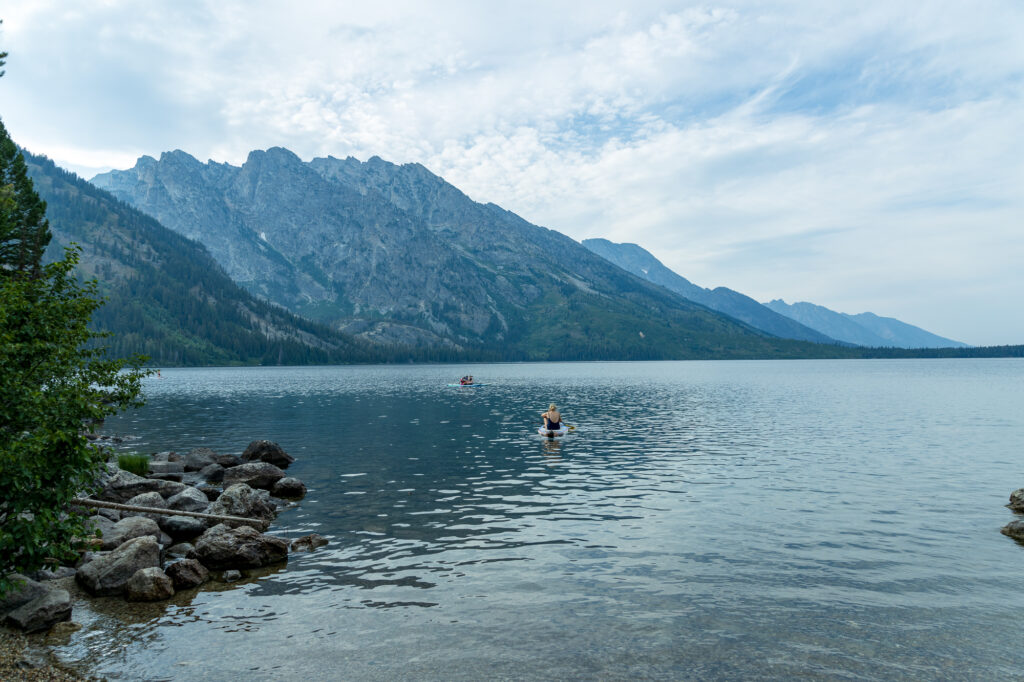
column 863, row 156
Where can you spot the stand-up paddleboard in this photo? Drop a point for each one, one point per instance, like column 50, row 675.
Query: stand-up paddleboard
column 553, row 433
column 475, row 383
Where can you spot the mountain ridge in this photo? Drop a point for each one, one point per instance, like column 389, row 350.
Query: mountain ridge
column 395, row 254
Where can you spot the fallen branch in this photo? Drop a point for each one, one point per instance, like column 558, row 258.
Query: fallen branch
column 86, row 502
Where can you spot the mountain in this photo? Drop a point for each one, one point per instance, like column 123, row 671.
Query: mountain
column 394, row 254
column 863, row 329
column 166, row 297
column 640, row 262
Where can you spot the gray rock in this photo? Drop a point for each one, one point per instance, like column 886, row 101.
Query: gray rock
column 107, row 574
column 1017, row 500
column 129, row 528
column 187, row 573
column 182, row 527
column 25, row 590
column 223, row 547
column 42, row 613
column 168, row 488
column 149, row 584
column 307, row 543
column 179, row 550
column 190, row 499
column 153, row 500
column 198, row 458
column 160, row 457
column 228, row 461
column 254, row 475
column 213, row 473
column 241, row 500
column 289, row 487
column 100, row 526
column 266, row 451
column 122, row 486
column 231, row 576
column 165, row 540
column 111, row 514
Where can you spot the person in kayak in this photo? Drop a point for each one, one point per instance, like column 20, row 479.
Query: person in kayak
column 552, row 418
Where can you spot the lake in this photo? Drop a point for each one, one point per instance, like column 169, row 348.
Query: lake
column 818, row 519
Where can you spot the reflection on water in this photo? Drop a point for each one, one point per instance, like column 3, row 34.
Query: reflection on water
column 740, row 519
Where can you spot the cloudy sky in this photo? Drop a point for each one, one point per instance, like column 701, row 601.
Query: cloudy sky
column 866, row 156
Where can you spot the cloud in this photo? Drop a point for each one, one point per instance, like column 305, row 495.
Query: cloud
column 861, row 156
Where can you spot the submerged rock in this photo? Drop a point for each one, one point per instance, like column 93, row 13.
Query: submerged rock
column 107, row 574
column 43, row 612
column 1014, row 529
column 187, row 573
column 267, row 451
column 223, row 547
column 149, row 584
column 307, row 543
column 254, row 475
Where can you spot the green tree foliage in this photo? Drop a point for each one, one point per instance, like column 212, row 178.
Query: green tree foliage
column 55, row 382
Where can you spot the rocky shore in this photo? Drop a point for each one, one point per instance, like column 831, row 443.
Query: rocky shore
column 1015, row 529
column 193, row 517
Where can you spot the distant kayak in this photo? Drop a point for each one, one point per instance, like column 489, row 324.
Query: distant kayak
column 552, row 434
column 475, row 383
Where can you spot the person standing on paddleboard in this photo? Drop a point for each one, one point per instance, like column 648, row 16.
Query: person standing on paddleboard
column 552, row 418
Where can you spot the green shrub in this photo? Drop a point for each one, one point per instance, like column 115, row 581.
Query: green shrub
column 137, row 464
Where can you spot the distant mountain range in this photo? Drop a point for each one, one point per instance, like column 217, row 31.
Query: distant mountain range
column 863, row 329
column 640, row 262
column 396, row 255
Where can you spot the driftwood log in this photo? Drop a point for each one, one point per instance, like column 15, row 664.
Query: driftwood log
column 101, row 504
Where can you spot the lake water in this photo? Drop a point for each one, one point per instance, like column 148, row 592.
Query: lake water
column 745, row 520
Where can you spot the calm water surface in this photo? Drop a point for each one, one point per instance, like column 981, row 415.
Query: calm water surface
column 704, row 520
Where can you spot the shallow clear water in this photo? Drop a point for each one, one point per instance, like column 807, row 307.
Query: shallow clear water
column 833, row 519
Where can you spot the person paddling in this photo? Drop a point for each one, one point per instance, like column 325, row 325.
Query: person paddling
column 552, row 418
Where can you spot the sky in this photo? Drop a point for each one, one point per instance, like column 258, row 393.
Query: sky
column 864, row 156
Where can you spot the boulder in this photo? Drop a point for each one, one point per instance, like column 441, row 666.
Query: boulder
column 231, row 576
column 129, row 528
column 213, row 473
column 121, row 486
column 228, row 461
column 190, row 499
column 107, row 574
column 111, row 514
column 55, row 574
column 307, row 543
column 179, row 550
column 182, row 527
column 187, row 573
column 223, row 547
column 167, row 471
column 266, row 451
column 100, row 526
column 197, row 458
column 289, row 487
column 254, row 475
column 1015, row 529
column 1017, row 500
column 153, row 500
column 25, row 590
column 43, row 612
column 241, row 500
column 168, row 488
column 149, row 584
